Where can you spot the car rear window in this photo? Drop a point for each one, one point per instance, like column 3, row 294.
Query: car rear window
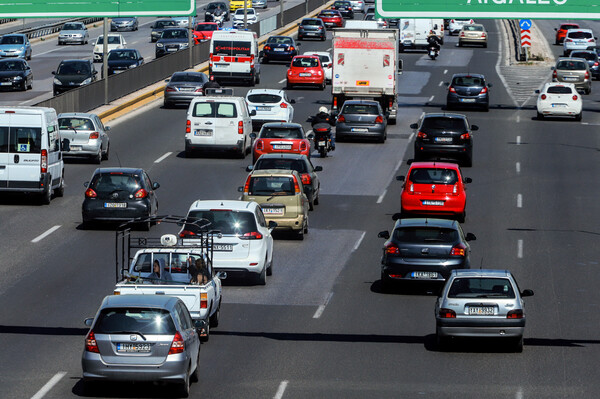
column 20, row 139
column 271, row 185
column 264, row 98
column 311, row 22
column 579, row 35
column 467, row 81
column 559, row 90
column 184, row 77
column 214, row 110
column 481, row 287
column 305, row 62
column 285, row 164
column 473, row 28
column 107, row 183
column 174, row 263
column 567, row 27
column 363, row 109
column 75, row 123
column 425, row 235
column 433, row 176
column 590, row 56
column 231, row 48
column 444, row 124
column 128, row 320
column 328, row 14
column 279, row 40
column 229, row 222
column 206, row 27
column 281, row 133
column 571, row 65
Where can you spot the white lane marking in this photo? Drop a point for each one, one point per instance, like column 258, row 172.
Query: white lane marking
column 411, row 136
column 518, row 140
column 520, row 249
column 519, row 201
column 329, row 49
column 382, row 196
column 585, row 123
column 321, row 308
column 441, row 83
column 49, row 385
column 358, row 241
column 46, row 233
column 445, row 71
column 430, row 99
column 163, row 157
column 501, row 51
column 282, row 80
column 518, row 167
column 422, row 115
column 281, row 389
column 519, row 394
column 518, row 118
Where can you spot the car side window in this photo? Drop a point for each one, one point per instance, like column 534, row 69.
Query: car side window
column 260, row 218
column 177, row 317
column 184, row 321
column 147, row 181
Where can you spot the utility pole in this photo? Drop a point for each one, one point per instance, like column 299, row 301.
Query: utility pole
column 105, row 59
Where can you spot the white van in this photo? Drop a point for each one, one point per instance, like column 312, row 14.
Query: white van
column 30, row 152
column 218, row 122
column 414, row 33
column 234, row 56
column 438, row 28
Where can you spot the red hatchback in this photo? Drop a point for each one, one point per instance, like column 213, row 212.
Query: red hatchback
column 280, row 137
column 561, row 32
column 204, row 31
column 331, row 18
column 434, row 188
column 306, row 70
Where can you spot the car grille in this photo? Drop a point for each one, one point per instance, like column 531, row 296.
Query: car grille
column 172, row 46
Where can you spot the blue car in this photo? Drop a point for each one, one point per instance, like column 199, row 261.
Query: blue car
column 15, row 45
column 279, row 48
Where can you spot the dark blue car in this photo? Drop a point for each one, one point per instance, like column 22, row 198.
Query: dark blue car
column 123, row 59
column 279, row 48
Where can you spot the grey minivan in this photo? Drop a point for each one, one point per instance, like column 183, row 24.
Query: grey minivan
column 141, row 338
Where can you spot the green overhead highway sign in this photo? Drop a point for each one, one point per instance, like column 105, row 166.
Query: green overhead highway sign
column 513, row 9
column 95, row 8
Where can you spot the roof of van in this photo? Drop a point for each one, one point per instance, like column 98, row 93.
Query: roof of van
column 26, row 110
column 234, row 34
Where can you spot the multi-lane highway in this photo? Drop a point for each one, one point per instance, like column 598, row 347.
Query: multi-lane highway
column 322, row 327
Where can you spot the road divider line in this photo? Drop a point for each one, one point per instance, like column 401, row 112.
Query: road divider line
column 441, row 83
column 329, row 49
column 321, row 308
column 519, row 201
column 46, row 233
column 49, row 385
column 359, row 241
column 411, row 136
column 520, row 249
column 281, row 389
column 282, row 80
column 518, row 140
column 166, row 155
column 390, row 180
column 445, row 71
column 430, row 99
column 382, row 196
column 518, row 167
column 518, row 118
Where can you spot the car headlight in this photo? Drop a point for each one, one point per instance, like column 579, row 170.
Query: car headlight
column 86, row 82
column 184, row 45
column 18, row 78
column 22, row 48
column 154, row 33
column 57, row 82
column 132, row 66
column 159, row 45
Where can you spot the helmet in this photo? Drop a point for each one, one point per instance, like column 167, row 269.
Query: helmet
column 324, row 109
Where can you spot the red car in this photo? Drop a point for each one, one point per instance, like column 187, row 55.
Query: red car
column 331, row 18
column 280, row 137
column 561, row 32
column 434, row 188
column 306, row 70
column 204, row 31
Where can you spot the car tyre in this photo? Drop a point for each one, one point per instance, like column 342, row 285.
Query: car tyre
column 323, row 85
column 323, row 38
column 270, row 268
column 207, row 337
column 194, row 376
column 462, row 217
column 184, row 387
column 214, row 319
column 588, row 90
column 518, row 345
column 46, row 196
column 265, row 60
column 261, row 277
column 288, row 86
column 540, row 116
column 106, row 153
column 468, row 160
column 316, row 200
column 60, row 190
column 460, row 43
column 442, row 343
column 578, row 117
column 23, row 86
column 386, row 283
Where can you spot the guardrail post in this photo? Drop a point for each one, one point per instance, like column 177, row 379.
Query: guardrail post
column 105, row 59
column 190, row 41
column 280, row 13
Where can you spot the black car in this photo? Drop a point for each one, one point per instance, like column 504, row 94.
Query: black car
column 444, row 135
column 592, row 59
column 279, row 48
column 210, row 10
column 172, row 40
column 123, row 59
column 298, row 162
column 425, row 250
column 312, row 28
column 468, row 90
column 119, row 194
column 15, row 74
column 71, row 74
column 159, row 26
column 344, row 7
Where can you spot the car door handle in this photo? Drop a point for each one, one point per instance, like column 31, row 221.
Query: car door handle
column 208, row 123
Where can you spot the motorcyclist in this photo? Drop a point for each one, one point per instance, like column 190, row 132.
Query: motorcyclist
column 324, row 117
column 211, row 84
column 433, row 40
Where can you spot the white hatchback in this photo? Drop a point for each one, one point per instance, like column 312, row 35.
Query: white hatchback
column 455, row 25
column 115, row 41
column 271, row 105
column 238, row 17
column 559, row 99
column 244, row 245
column 578, row 39
column 326, row 61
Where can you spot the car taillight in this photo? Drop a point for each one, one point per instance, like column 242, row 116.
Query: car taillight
column 587, row 75
column 186, row 233
column 590, row 40
column 515, row 314
column 455, row 189
column 44, row 162
column 543, row 97
column 452, row 89
column 391, row 248
column 422, row 135
column 259, row 145
column 447, row 313
column 458, row 250
column 90, row 343
column 569, row 40
column 554, row 75
column 319, row 28
column 306, row 179
column 411, row 189
column 341, row 118
column 203, row 300
column 170, row 89
column 379, row 119
column 283, row 105
column 465, row 136
column 247, row 185
column 292, row 48
column 240, row 127
column 177, row 346
column 596, row 64
column 267, row 47
column 296, row 185
column 94, row 135
column 141, row 193
column 89, row 193
column 252, row 61
column 452, row 21
column 483, row 91
column 253, row 235
column 303, row 146
column 199, row 90
column 575, row 98
column 462, row 34
column 188, row 126
column 320, row 72
column 335, row 102
column 483, row 35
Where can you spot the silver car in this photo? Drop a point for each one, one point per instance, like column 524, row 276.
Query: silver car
column 86, row 134
column 183, row 87
column 124, row 23
column 259, row 3
column 358, row 5
column 481, row 303
column 141, row 338
column 73, row 32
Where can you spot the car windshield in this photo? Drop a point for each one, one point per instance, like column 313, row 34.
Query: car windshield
column 72, row 27
column 282, row 163
column 425, row 235
column 240, row 11
column 362, row 109
column 165, row 24
column 212, row 6
column 467, row 81
column 271, row 185
column 559, row 90
column 567, row 27
column 214, row 110
column 75, row 123
column 481, row 287
column 443, row 124
column 74, row 68
column 311, row 22
column 473, row 28
column 128, row 320
column 107, row 183
column 111, row 40
column 264, row 98
column 571, row 65
column 279, row 40
column 174, row 34
column 305, row 62
column 206, row 27
column 281, row 133
column 579, row 35
column 12, row 66
column 433, row 176
column 189, row 77
column 11, row 40
column 226, row 221
column 122, row 55
column 586, row 55
column 341, row 4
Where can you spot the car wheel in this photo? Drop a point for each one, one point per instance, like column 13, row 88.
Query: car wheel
column 323, row 85
column 24, row 86
column 486, row 108
column 540, row 116
column 323, row 38
column 166, row 104
column 448, row 106
column 214, row 319
column 442, row 342
column 300, row 234
column 60, row 190
column 317, row 200
column 106, row 153
column 97, row 159
column 265, row 60
column 311, row 204
column 261, row 277
column 194, row 376
column 588, row 90
column 184, row 387
column 386, row 282
column 144, row 226
column 462, row 217
column 188, row 151
column 288, row 86
column 30, row 86
column 578, row 116
column 300, row 38
column 459, row 43
column 518, row 345
column 46, row 196
column 270, row 268
column 468, row 160
column 257, row 79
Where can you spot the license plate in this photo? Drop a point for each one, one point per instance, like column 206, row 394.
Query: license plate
column 263, row 108
column 359, row 129
column 436, row 203
column 221, row 64
column 558, row 105
column 74, row 148
column 304, row 74
column 203, row 132
column 115, row 204
column 186, row 89
column 321, row 144
column 443, row 139
column 6, row 84
column 138, row 348
column 282, row 147
column 223, row 247
column 424, row 274
column 571, row 79
column 171, row 49
column 467, row 100
column 278, row 49
column 310, row 33
column 481, row 310
column 273, row 211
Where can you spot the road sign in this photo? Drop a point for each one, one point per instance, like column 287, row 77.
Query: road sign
column 511, row 9
column 96, row 8
column 525, row 38
column 525, row 24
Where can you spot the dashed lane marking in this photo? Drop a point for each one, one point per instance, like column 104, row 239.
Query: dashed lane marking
column 518, row 167
column 281, row 389
column 322, row 307
column 166, row 155
column 519, row 201
column 46, row 233
column 520, row 249
column 49, row 385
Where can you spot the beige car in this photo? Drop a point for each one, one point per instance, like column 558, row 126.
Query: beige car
column 473, row 34
column 281, row 197
column 573, row 70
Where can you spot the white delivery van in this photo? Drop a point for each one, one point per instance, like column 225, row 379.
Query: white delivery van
column 30, row 152
column 414, row 33
column 438, row 28
column 218, row 123
column 234, row 56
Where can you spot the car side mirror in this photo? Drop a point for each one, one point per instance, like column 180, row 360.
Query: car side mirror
column 221, row 275
column 552, row 68
column 272, row 224
column 556, row 29
column 53, row 72
column 396, row 216
column 400, row 66
column 474, row 128
column 152, row 26
column 292, row 101
column 310, row 136
column 240, row 189
column 298, row 44
column 155, row 185
column 489, row 85
column 253, row 112
column 537, row 92
column 446, row 84
column 88, row 322
column 527, row 292
column 468, row 180
column 384, row 234
column 66, row 145
column 400, row 178
column 95, row 72
column 167, row 80
column 253, row 135
column 106, row 128
column 200, row 324
column 470, row 237
column 318, row 168
column 86, row 184
column 435, row 27
column 414, row 126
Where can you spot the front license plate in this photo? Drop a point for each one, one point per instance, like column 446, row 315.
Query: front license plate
column 467, row 100
column 223, row 247
column 273, row 211
column 137, row 348
column 304, row 74
column 115, row 204
column 481, row 310
column 359, row 129
column 436, row 203
column 282, row 147
column 203, row 132
column 6, row 84
column 443, row 139
column 171, row 49
column 424, row 274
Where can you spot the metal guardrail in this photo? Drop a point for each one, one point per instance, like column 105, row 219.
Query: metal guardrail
column 520, row 52
column 49, row 29
column 7, row 20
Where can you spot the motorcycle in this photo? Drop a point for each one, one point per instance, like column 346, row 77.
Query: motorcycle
column 218, row 16
column 322, row 139
column 433, row 52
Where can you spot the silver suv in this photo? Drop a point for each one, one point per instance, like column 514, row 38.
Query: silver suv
column 141, row 338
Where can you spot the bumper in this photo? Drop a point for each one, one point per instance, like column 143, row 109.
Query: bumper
column 470, row 40
column 443, row 150
column 483, row 327
column 399, row 269
column 232, row 75
column 559, row 111
column 173, row 369
column 468, row 101
column 585, row 85
column 189, row 145
column 94, row 210
column 122, row 28
column 306, row 80
column 15, row 84
column 61, row 88
column 181, row 97
column 332, row 24
column 310, row 34
column 70, row 40
column 251, row 264
column 163, row 51
column 24, row 186
column 288, row 224
column 414, row 204
column 278, row 56
column 346, row 130
column 85, row 151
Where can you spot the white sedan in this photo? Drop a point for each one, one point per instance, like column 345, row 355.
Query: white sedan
column 238, row 17
column 271, row 105
column 326, row 61
column 559, row 99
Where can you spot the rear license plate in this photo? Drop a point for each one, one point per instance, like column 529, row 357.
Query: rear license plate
column 278, row 49
column 443, row 139
column 467, row 100
column 273, row 211
column 221, row 64
column 282, row 147
column 263, row 108
column 424, row 274
column 223, row 247
column 481, row 310
column 115, row 204
column 203, row 132
column 137, row 348
column 304, row 74
column 186, row 89
column 558, row 105
column 311, row 33
column 571, row 79
column 359, row 129
column 321, row 144
column 436, row 203
column 74, row 148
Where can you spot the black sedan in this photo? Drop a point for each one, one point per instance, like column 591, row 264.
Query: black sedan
column 344, row 7
column 71, row 74
column 279, row 48
column 183, row 87
column 425, row 250
column 468, row 90
column 444, row 135
column 119, row 194
column 172, row 40
column 15, row 74
column 123, row 59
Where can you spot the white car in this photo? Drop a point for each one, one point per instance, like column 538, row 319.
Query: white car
column 326, row 61
column 578, row 39
column 271, row 105
column 559, row 99
column 357, row 5
column 245, row 245
column 238, row 17
column 115, row 41
column 455, row 25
